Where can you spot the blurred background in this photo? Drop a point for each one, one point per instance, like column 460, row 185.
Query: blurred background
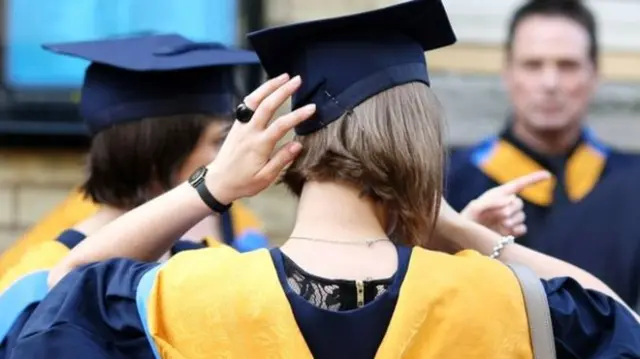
column 42, row 141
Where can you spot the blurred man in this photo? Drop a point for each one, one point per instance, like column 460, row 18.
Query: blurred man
column 551, row 74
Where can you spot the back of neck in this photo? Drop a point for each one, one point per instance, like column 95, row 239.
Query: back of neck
column 339, row 212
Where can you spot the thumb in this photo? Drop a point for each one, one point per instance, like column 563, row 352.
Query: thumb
column 517, row 185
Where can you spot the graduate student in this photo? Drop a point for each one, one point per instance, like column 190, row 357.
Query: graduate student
column 158, row 107
column 551, row 73
column 239, row 229
column 354, row 279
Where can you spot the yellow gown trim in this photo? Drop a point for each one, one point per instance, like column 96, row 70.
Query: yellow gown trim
column 76, row 208
column 41, row 256
column 463, row 306
column 503, row 162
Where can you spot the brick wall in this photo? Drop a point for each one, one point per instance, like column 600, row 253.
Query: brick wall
column 31, row 183
column 288, row 11
column 476, row 106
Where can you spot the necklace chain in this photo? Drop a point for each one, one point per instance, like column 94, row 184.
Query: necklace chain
column 368, row 242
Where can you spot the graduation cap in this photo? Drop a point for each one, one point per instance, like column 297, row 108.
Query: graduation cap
column 345, row 60
column 154, row 75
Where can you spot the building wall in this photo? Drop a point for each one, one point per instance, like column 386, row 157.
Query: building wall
column 480, row 27
column 31, row 183
column 466, row 79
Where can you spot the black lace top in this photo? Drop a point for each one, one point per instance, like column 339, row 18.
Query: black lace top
column 332, row 294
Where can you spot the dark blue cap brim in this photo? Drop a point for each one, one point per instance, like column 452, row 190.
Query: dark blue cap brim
column 154, row 53
column 153, row 76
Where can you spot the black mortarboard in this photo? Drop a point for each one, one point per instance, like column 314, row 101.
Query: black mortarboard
column 345, row 60
column 155, row 75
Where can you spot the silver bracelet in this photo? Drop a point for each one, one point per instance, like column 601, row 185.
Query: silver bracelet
column 497, row 249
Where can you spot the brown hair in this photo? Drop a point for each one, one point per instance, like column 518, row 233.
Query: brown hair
column 127, row 161
column 391, row 147
column 574, row 10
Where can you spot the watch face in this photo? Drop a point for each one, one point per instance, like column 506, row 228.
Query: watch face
column 197, row 175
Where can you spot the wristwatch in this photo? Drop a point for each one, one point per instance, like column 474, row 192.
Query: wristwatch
column 196, row 180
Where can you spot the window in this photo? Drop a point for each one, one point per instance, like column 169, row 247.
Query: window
column 40, row 89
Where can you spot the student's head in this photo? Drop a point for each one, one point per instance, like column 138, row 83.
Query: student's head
column 158, row 107
column 130, row 163
column 551, row 68
column 377, row 126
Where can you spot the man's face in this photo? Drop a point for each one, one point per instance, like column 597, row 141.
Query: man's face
column 549, row 74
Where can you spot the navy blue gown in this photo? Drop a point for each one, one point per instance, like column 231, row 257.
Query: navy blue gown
column 21, row 299
column 92, row 313
column 587, row 233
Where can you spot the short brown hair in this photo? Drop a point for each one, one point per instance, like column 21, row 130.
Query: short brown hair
column 128, row 160
column 391, row 147
column 574, row 10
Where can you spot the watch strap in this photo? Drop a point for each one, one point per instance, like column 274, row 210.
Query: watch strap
column 210, row 200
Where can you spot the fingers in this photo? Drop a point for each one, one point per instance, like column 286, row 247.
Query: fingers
column 499, row 215
column 514, row 220
column 280, row 127
column 490, row 202
column 279, row 161
column 517, row 185
column 514, row 206
column 519, row 230
column 244, row 158
column 258, row 95
column 508, row 219
column 267, row 108
column 502, row 216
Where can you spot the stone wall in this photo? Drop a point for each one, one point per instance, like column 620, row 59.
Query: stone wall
column 476, row 106
column 31, row 183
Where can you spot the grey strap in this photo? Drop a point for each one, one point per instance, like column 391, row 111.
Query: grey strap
column 539, row 317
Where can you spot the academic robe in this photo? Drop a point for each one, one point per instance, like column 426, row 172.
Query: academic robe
column 437, row 306
column 609, row 245
column 497, row 160
column 26, row 265
column 21, row 298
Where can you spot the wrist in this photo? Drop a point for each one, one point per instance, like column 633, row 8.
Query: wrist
column 219, row 187
column 467, row 234
column 479, row 238
column 499, row 247
column 448, row 232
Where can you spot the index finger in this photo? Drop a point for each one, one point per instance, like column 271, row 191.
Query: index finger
column 254, row 99
column 517, row 185
column 265, row 111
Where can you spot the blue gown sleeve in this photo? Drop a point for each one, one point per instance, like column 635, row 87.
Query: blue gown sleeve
column 91, row 313
column 9, row 341
column 250, row 240
column 589, row 324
